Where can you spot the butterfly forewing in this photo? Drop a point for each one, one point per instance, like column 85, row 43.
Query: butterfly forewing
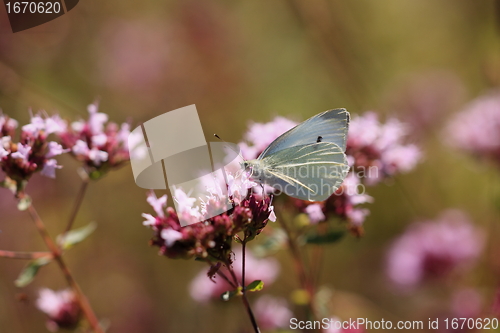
column 329, row 126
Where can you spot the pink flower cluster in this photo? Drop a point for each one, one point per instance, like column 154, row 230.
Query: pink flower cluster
column 377, row 151
column 210, row 239
column 99, row 144
column 34, row 152
column 203, row 289
column 61, row 307
column 434, row 249
column 476, row 129
column 272, row 312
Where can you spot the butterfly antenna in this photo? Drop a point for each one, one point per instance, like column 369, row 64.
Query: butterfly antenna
column 228, row 145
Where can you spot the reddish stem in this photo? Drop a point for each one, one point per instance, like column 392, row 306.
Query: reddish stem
column 24, row 255
column 57, row 254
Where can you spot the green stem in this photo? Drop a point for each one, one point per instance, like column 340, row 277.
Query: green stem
column 76, row 206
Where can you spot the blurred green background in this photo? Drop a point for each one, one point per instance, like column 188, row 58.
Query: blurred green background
column 239, row 62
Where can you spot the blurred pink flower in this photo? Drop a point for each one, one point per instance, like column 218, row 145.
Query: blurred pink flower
column 476, row 129
column 48, row 125
column 134, row 55
column 158, row 204
column 260, row 135
column 376, row 150
column 7, row 125
column 61, row 307
column 49, row 168
column 336, row 327
column 22, row 153
column 55, row 149
column 202, row 288
column 99, row 144
column 466, row 303
column 315, row 213
column 425, row 98
column 33, row 152
column 272, row 312
column 434, row 249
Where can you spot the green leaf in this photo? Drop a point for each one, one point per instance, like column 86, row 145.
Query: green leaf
column 257, row 285
column 75, row 236
column 227, row 295
column 330, row 237
column 29, row 272
column 24, row 203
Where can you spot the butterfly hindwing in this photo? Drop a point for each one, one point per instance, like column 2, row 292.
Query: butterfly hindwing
column 308, row 172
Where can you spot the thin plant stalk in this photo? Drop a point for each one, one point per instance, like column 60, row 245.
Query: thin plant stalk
column 57, row 255
column 244, row 298
column 24, row 255
column 243, row 291
column 77, row 204
column 299, row 265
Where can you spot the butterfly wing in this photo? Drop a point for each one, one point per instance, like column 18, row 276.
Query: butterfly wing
column 329, row 126
column 307, row 172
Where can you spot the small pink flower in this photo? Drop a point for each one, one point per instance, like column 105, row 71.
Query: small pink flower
column 238, row 186
column 55, row 124
column 80, row 148
column 7, row 125
column 272, row 312
column 170, row 236
column 150, row 220
column 476, row 129
column 22, row 152
column 55, row 149
column 99, row 139
column 3, row 152
column 183, row 200
column 97, row 156
column 61, row 307
column 158, row 204
column 46, row 124
column 315, row 213
column 96, row 119
column 49, row 168
column 434, row 249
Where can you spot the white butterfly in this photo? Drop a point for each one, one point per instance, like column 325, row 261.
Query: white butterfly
column 308, row 161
